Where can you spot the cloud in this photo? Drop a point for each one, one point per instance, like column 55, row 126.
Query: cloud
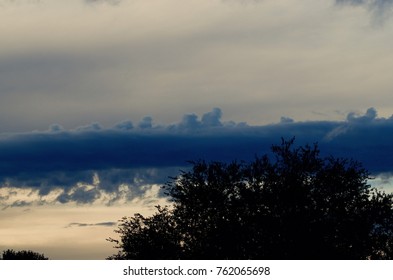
column 81, row 195
column 90, row 127
column 370, row 115
column 208, row 120
column 167, row 59
column 146, row 122
column 189, row 121
column 92, row 162
column 103, row 224
column 212, row 119
column 21, row 203
column 380, row 8
column 371, row 3
column 286, row 120
column 124, row 125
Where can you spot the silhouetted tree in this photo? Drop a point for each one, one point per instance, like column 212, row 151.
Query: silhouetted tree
column 10, row 254
column 294, row 205
column 147, row 238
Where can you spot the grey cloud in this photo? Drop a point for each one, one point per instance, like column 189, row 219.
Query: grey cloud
column 146, row 122
column 370, row 115
column 103, row 224
column 209, row 120
column 45, row 182
column 352, row 120
column 352, row 2
column 212, row 118
column 286, row 120
column 40, row 71
column 124, row 125
column 81, row 195
column 4, row 197
column 379, row 7
column 21, row 203
column 370, row 3
column 55, row 128
column 92, row 127
column 190, row 121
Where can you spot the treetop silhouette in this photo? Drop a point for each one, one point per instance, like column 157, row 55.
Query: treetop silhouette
column 10, row 254
column 292, row 205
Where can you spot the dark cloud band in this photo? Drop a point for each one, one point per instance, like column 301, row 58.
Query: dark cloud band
column 149, row 154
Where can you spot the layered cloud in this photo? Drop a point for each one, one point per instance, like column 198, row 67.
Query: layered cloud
column 373, row 4
column 171, row 56
column 90, row 162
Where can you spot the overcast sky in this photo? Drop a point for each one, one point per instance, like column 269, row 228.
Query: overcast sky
column 76, row 62
column 102, row 100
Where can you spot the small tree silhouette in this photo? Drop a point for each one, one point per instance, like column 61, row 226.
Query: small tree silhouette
column 294, row 205
column 10, row 254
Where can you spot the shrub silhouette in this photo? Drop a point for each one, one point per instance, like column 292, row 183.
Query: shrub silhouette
column 292, row 205
column 10, row 254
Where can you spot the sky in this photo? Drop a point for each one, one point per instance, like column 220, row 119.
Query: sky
column 101, row 101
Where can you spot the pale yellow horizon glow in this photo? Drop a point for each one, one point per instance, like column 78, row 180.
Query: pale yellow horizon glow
column 52, row 229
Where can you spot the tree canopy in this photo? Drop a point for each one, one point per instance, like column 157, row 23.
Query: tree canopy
column 293, row 204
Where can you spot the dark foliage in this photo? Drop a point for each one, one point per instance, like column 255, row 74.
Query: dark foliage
column 22, row 255
column 295, row 205
column 146, row 238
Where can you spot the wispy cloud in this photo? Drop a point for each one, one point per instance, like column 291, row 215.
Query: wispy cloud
column 148, row 194
column 380, row 8
column 103, row 224
column 370, row 3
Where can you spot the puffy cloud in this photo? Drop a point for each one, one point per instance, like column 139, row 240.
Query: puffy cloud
column 212, row 118
column 124, row 125
column 370, row 115
column 146, row 122
column 92, row 127
column 209, row 120
column 190, row 121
